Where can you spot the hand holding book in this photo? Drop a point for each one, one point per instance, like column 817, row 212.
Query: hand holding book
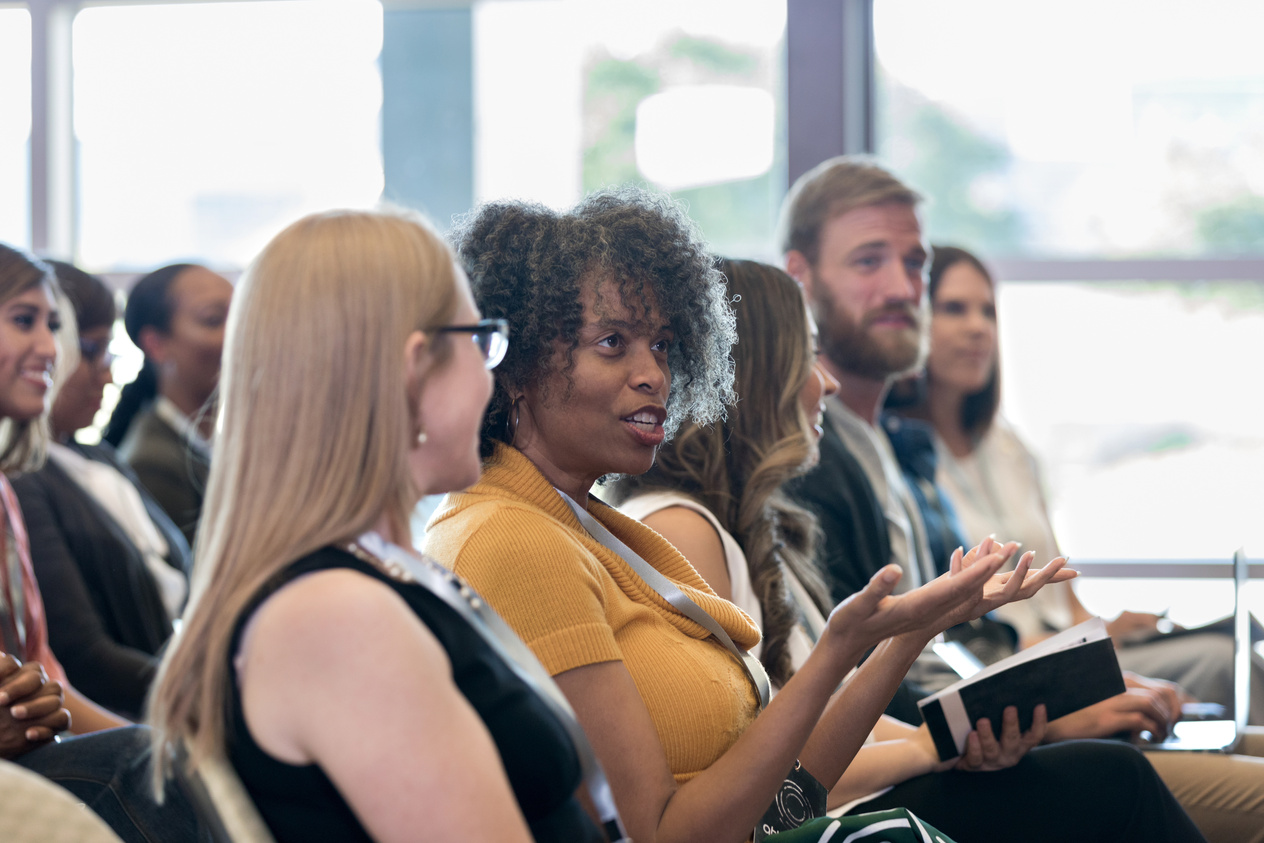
column 1066, row 673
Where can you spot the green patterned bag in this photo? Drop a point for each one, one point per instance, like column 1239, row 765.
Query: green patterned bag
column 895, row 826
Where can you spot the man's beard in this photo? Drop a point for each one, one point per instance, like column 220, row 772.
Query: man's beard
column 850, row 345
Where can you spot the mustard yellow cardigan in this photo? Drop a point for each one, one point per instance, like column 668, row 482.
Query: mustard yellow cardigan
column 575, row 603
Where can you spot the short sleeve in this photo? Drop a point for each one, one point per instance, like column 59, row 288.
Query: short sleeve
column 544, row 583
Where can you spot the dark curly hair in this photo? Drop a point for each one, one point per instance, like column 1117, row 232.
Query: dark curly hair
column 529, row 264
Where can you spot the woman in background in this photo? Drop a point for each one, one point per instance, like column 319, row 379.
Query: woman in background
column 334, row 668
column 995, row 486
column 162, row 424
column 111, row 566
column 29, row 321
column 715, row 492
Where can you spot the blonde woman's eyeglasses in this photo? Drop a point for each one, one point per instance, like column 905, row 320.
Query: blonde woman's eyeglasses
column 490, row 335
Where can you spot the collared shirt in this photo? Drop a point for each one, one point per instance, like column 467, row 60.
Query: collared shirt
column 166, row 410
column 909, row 546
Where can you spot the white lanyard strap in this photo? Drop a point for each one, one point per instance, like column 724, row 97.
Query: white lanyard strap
column 456, row 593
column 678, row 600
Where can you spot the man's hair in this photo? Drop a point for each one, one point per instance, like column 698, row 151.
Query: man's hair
column 830, row 189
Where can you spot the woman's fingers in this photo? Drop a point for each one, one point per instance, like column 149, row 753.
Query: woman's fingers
column 47, row 701
column 991, row 750
column 865, row 603
column 23, row 682
column 1039, row 725
column 1015, row 582
column 1039, row 578
column 972, row 755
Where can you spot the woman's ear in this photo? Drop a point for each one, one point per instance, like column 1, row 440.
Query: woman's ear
column 417, row 359
column 154, row 344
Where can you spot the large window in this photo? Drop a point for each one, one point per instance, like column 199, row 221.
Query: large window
column 1079, row 127
column 1058, row 139
column 573, row 95
column 204, row 128
column 15, row 124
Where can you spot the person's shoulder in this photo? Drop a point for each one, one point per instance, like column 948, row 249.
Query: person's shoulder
column 150, row 440
column 502, row 533
column 645, row 503
column 1003, row 439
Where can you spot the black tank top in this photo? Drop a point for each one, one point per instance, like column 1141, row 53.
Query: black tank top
column 300, row 803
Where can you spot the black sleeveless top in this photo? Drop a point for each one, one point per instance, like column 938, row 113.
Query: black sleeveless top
column 300, row 803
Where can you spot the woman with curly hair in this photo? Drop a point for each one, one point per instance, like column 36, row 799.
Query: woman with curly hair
column 622, row 333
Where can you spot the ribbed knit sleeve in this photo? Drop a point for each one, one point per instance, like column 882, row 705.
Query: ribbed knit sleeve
column 542, row 582
column 575, row 602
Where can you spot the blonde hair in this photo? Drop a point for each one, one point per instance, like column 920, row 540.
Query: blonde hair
column 24, row 442
column 315, row 424
column 829, row 190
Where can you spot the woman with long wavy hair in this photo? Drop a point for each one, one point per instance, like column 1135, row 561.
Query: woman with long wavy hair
column 715, row 492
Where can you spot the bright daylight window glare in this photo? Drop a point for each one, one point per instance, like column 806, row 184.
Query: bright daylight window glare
column 203, row 129
column 1105, row 130
column 15, row 128
column 1079, row 128
column 574, row 95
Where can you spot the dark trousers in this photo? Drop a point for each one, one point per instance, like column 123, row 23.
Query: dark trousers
column 1082, row 791
column 109, row 772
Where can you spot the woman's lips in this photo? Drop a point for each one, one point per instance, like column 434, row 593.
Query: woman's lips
column 39, row 378
column 646, row 426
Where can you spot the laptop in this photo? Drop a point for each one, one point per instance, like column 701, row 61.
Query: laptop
column 1221, row 735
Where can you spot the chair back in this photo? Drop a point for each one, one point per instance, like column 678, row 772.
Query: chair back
column 222, row 802
column 34, row 810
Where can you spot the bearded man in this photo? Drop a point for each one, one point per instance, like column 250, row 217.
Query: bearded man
column 851, row 236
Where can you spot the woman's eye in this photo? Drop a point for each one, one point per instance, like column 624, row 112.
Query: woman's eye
column 54, row 325
column 662, row 346
column 611, row 341
column 25, row 321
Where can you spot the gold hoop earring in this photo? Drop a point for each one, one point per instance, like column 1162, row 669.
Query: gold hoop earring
column 511, row 421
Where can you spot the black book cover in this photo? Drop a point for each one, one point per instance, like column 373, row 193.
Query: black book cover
column 1065, row 681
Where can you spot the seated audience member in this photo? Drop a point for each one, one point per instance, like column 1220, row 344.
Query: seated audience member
column 338, row 672
column 110, row 564
column 36, row 701
column 994, row 483
column 852, row 238
column 29, row 321
column 162, row 424
column 622, row 332
column 715, row 493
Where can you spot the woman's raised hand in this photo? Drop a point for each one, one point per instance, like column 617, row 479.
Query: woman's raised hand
column 1018, row 584
column 873, row 614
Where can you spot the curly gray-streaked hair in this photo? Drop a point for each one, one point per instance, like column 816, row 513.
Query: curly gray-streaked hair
column 529, row 264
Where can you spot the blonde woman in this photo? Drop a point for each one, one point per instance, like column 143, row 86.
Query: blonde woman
column 352, row 696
